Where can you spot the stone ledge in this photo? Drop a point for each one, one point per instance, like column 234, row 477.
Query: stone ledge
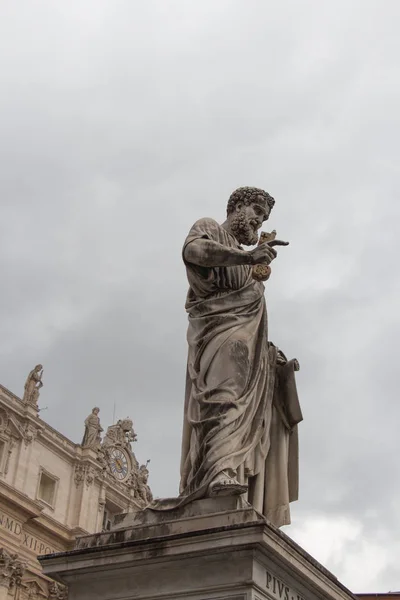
column 200, row 516
column 187, row 558
column 197, row 508
column 192, row 533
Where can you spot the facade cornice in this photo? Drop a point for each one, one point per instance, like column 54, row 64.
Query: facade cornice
column 55, row 528
column 18, row 502
column 15, row 404
column 55, row 442
column 55, row 434
column 79, row 532
column 10, row 395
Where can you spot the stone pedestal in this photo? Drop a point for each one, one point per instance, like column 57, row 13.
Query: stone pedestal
column 215, row 549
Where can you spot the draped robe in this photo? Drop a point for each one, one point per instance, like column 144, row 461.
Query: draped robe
column 241, row 407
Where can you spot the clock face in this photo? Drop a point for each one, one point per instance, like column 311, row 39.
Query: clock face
column 119, row 463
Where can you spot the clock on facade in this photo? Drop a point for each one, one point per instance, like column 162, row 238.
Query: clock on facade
column 119, row 463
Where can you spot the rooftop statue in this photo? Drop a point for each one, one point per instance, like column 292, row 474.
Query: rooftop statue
column 93, row 429
column 33, row 385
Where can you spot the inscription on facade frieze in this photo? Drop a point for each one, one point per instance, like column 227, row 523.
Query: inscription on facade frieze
column 32, row 543
column 279, row 589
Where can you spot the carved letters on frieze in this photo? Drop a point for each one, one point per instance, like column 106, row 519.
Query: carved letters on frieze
column 279, row 590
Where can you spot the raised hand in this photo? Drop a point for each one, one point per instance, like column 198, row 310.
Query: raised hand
column 263, row 254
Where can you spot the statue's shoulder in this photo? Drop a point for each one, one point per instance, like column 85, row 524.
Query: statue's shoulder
column 205, row 227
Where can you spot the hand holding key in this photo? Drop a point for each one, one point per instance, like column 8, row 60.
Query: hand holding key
column 264, row 254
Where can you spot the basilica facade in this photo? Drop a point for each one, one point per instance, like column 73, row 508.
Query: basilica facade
column 53, row 490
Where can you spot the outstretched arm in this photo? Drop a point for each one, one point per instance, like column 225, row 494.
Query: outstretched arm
column 208, row 253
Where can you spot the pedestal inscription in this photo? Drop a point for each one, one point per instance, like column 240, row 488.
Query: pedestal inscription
column 279, row 590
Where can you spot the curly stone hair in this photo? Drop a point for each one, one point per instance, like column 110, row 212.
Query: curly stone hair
column 248, row 195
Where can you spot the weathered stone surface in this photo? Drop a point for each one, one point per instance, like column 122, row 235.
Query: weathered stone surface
column 199, row 515
column 11, row 572
column 117, row 460
column 241, row 407
column 197, row 508
column 232, row 554
column 33, row 385
column 91, row 437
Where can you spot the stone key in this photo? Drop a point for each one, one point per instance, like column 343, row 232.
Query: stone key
column 262, row 272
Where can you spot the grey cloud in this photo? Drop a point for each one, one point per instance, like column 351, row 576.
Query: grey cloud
column 121, row 125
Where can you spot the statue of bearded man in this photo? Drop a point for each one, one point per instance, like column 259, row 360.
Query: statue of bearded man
column 241, row 407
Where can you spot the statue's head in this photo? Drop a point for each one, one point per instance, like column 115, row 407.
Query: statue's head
column 96, row 410
column 248, row 208
column 38, row 368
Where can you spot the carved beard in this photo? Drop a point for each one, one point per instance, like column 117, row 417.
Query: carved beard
column 244, row 230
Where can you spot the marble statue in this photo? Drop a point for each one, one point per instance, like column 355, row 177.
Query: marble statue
column 143, row 491
column 127, row 427
column 93, row 429
column 121, row 433
column 33, row 385
column 241, row 407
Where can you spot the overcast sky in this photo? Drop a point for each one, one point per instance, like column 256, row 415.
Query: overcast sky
column 122, row 122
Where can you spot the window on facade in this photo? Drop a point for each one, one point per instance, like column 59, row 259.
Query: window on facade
column 47, row 488
column 110, row 510
column 107, row 521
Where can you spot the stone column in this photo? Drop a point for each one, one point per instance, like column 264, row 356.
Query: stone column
column 11, row 572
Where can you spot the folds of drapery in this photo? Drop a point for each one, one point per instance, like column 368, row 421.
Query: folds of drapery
column 241, row 406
